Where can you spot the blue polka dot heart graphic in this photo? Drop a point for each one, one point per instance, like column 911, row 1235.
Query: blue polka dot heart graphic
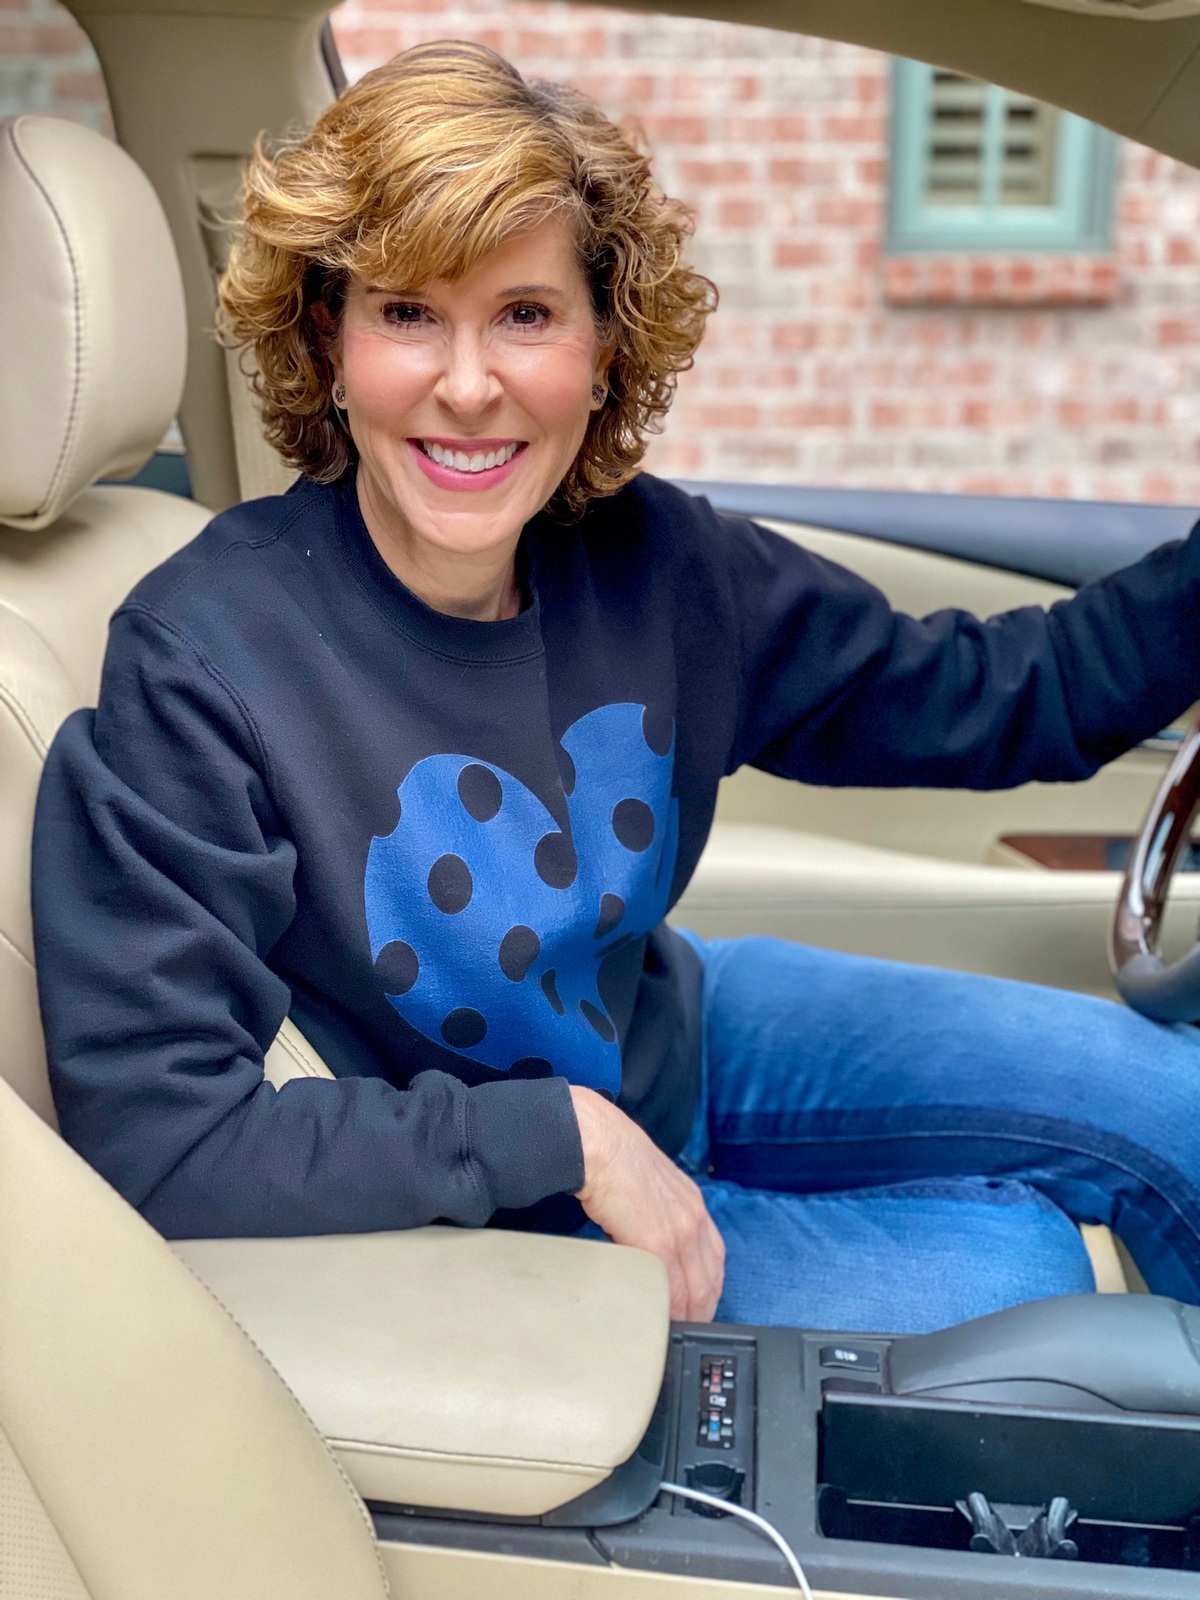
column 488, row 923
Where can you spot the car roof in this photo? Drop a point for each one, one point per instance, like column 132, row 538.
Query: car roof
column 1131, row 65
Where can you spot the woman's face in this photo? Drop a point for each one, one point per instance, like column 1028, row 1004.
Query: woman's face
column 468, row 401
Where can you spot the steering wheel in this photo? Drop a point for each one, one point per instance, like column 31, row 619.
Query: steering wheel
column 1166, row 993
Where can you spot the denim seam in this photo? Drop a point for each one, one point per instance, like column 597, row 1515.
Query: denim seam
column 1041, row 1141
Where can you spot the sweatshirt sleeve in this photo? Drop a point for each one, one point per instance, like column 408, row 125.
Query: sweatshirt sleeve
column 838, row 688
column 162, row 880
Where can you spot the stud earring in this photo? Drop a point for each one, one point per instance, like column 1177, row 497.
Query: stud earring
column 599, row 394
column 339, row 395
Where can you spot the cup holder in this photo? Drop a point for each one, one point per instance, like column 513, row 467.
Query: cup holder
column 947, row 1475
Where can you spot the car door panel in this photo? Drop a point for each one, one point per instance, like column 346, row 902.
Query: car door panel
column 916, row 873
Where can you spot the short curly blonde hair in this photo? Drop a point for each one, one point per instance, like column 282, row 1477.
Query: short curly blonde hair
column 411, row 177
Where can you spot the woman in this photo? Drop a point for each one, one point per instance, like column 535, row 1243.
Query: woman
column 422, row 753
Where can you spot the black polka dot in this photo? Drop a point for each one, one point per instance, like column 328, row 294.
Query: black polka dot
column 633, row 824
column 554, row 858
column 397, row 967
column 464, row 1028
column 612, row 909
column 532, row 1067
column 598, row 1021
column 551, row 993
column 450, row 885
column 519, row 946
column 658, row 730
column 566, row 770
column 480, row 792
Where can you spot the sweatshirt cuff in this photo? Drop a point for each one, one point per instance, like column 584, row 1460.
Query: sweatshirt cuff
column 523, row 1141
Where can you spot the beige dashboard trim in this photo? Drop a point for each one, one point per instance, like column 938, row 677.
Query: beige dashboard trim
column 426, row 1572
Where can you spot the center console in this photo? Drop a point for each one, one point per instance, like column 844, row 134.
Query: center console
column 526, row 1396
column 874, row 1489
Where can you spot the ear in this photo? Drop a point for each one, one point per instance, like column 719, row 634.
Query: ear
column 329, row 326
column 333, row 347
column 604, row 360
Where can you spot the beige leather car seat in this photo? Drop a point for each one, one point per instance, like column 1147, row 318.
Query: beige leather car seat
column 147, row 1450
column 92, row 354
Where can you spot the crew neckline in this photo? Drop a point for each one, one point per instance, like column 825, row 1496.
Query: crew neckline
column 461, row 638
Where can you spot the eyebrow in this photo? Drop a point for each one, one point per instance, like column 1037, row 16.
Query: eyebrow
column 514, row 292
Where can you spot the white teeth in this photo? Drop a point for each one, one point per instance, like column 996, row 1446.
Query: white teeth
column 461, row 462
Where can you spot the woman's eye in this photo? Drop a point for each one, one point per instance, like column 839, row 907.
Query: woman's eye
column 528, row 315
column 403, row 312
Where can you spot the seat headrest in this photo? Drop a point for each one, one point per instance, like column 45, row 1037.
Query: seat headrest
column 93, row 346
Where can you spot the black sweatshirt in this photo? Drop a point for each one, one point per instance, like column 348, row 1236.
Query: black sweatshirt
column 446, row 847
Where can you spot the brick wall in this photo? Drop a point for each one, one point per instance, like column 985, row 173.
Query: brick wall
column 826, row 363
column 47, row 65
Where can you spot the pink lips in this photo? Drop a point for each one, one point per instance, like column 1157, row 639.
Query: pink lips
column 471, row 482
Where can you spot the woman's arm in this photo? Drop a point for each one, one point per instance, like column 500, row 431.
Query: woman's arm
column 162, row 881
column 837, row 688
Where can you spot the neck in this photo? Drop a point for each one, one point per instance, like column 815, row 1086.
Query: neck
column 480, row 586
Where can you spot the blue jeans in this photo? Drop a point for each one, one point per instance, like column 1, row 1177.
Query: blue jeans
column 891, row 1148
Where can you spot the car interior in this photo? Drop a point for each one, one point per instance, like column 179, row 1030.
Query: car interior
column 452, row 1413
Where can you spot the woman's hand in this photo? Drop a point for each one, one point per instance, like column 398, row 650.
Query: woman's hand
column 640, row 1197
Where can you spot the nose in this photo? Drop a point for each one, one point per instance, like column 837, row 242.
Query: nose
column 467, row 384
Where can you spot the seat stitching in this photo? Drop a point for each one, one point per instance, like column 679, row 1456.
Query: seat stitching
column 302, row 1408
column 58, row 1533
column 490, row 1457
column 73, row 411
column 24, row 719
column 16, row 949
column 290, row 1047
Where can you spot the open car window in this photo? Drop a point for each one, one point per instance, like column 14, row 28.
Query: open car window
column 927, row 283
column 48, row 66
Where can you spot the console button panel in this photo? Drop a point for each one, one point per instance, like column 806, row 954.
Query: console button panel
column 850, row 1357
column 717, row 1416
column 716, row 1443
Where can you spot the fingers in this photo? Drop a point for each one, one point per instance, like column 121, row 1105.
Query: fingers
column 696, row 1281
column 641, row 1198
column 692, row 1250
column 714, row 1275
column 700, row 1253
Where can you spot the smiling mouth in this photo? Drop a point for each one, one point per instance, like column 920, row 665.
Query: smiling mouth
column 473, row 461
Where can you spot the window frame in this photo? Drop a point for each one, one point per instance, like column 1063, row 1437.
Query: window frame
column 1080, row 220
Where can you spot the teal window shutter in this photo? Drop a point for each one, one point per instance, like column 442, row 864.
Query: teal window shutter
column 977, row 167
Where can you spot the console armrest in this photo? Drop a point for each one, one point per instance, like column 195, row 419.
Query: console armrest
column 472, row 1370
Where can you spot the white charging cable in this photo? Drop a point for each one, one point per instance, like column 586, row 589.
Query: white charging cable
column 755, row 1521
